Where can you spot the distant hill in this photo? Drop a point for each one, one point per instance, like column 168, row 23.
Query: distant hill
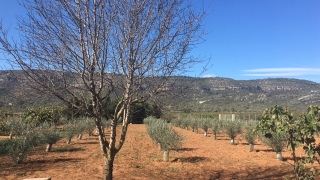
column 189, row 94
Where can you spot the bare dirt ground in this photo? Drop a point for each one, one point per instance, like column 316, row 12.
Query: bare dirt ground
column 199, row 158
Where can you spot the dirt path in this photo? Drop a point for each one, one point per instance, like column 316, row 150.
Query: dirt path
column 200, row 158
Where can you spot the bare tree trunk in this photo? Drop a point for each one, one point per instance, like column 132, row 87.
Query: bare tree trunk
column 48, row 148
column 108, row 160
column 69, row 140
column 80, row 136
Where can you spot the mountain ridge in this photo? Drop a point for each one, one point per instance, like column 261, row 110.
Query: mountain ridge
column 189, row 93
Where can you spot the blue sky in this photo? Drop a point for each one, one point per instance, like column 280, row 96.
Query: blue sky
column 248, row 39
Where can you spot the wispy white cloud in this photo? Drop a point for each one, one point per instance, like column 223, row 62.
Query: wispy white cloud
column 209, row 75
column 282, row 72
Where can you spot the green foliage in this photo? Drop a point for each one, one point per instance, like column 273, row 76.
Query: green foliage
column 4, row 144
column 42, row 114
column 194, row 123
column 216, row 125
column 3, row 118
column 177, row 122
column 87, row 124
column 162, row 133
column 250, row 135
column 232, row 128
column 26, row 136
column 143, row 110
column 298, row 131
column 71, row 128
column 277, row 141
column 49, row 134
column 185, row 123
column 204, row 124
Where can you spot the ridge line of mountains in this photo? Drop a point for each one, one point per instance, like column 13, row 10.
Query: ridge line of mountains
column 191, row 94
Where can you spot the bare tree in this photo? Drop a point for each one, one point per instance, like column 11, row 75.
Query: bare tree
column 88, row 50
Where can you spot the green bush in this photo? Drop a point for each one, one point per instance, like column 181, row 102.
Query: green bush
column 204, row 124
column 176, row 122
column 185, row 123
column 4, row 144
column 249, row 135
column 88, row 125
column 215, row 126
column 277, row 141
column 4, row 115
column 43, row 114
column 194, row 123
column 70, row 129
column 49, row 135
column 232, row 128
column 165, row 135
column 26, row 136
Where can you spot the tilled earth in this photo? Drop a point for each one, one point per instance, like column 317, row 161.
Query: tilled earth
column 200, row 158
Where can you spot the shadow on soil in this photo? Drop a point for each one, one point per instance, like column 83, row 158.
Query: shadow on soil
column 67, row 149
column 258, row 173
column 185, row 149
column 33, row 166
column 194, row 159
column 88, row 143
column 261, row 174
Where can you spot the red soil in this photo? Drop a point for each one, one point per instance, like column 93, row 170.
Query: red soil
column 199, row 158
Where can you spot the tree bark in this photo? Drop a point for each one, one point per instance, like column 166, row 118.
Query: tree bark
column 80, row 136
column 69, row 141
column 48, row 148
column 108, row 160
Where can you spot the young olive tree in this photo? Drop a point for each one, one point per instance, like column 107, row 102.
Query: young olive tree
column 26, row 136
column 164, row 135
column 215, row 126
column 232, row 128
column 249, row 134
column 86, row 51
column 204, row 124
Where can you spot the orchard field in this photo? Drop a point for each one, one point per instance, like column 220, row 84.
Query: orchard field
column 199, row 158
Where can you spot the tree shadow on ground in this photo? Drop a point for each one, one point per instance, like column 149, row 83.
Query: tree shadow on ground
column 261, row 173
column 87, row 142
column 67, row 149
column 265, row 150
column 34, row 165
column 184, row 149
column 194, row 159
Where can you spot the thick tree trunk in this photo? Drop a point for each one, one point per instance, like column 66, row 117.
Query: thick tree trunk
column 108, row 166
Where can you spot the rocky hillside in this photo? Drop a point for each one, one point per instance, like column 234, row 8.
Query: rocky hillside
column 189, row 94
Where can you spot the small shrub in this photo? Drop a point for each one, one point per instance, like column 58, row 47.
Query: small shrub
column 250, row 136
column 26, row 137
column 277, row 141
column 204, row 124
column 176, row 122
column 232, row 128
column 165, row 135
column 49, row 135
column 185, row 123
column 71, row 129
column 215, row 126
column 194, row 123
